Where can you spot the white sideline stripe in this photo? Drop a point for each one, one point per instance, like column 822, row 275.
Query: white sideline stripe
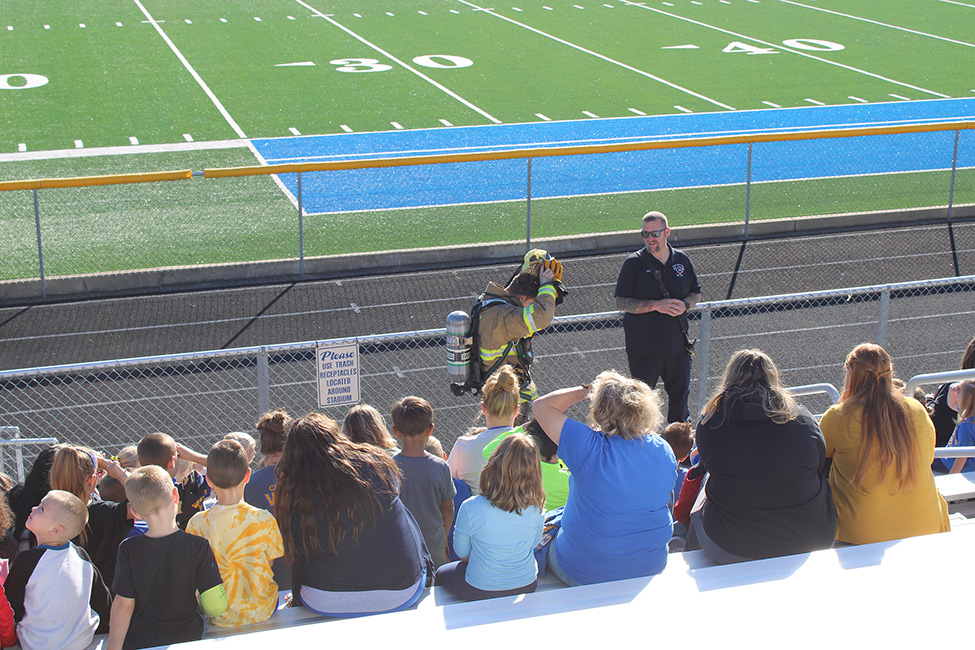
column 787, row 49
column 960, row 4
column 877, row 22
column 600, row 56
column 189, row 145
column 402, row 63
column 216, row 102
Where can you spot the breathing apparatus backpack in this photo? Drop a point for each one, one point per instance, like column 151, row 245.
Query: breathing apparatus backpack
column 463, row 341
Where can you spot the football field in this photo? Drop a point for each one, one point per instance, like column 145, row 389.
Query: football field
column 95, row 87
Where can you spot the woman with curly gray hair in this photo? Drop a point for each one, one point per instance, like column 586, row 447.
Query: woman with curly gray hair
column 616, row 522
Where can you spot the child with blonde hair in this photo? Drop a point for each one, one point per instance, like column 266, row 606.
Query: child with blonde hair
column 58, row 596
column 499, row 406
column 246, row 441
column 496, row 531
column 964, row 434
column 160, row 573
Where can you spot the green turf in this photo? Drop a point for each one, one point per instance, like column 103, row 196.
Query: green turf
column 561, row 59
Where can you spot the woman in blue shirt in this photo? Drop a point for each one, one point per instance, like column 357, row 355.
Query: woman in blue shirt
column 616, row 522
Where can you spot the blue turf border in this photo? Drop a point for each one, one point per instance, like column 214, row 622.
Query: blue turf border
column 378, row 189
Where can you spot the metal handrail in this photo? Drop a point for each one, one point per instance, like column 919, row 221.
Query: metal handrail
column 938, row 378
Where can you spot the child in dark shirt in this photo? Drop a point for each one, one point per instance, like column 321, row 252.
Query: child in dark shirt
column 159, row 573
column 161, row 450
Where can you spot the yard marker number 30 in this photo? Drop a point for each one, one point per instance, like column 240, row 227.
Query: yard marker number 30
column 427, row 61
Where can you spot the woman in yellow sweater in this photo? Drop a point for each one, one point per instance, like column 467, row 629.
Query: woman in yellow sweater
column 882, row 444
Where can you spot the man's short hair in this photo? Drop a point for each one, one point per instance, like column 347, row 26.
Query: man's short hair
column 412, row 416
column 524, row 284
column 226, row 464
column 149, row 490
column 70, row 512
column 156, row 449
column 655, row 216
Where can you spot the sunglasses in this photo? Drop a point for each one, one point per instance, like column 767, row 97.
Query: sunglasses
column 653, row 233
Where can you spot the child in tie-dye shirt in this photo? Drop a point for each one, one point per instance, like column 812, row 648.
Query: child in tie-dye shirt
column 245, row 539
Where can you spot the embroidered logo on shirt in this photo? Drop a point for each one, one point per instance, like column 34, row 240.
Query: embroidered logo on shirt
column 679, row 270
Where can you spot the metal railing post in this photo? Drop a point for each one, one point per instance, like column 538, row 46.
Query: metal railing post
column 748, row 189
column 40, row 247
column 301, row 233
column 528, row 216
column 263, row 382
column 883, row 317
column 954, row 167
column 701, row 356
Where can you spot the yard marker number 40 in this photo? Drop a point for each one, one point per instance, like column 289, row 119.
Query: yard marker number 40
column 809, row 44
column 427, row 61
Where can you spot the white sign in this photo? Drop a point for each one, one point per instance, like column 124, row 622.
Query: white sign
column 337, row 371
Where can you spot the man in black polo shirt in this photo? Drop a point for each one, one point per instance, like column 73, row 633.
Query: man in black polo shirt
column 656, row 288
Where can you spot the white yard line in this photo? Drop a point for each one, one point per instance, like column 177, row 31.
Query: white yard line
column 189, row 68
column 877, row 22
column 960, row 4
column 785, row 49
column 405, row 65
column 599, row 56
column 55, row 154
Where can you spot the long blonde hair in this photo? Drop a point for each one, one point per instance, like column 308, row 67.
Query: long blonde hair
column 512, row 478
column 751, row 377
column 363, row 423
column 73, row 470
column 623, row 407
column 888, row 435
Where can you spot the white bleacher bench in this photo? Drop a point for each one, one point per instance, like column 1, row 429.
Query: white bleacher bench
column 874, row 595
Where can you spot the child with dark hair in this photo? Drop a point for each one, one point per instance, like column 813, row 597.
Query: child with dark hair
column 273, row 430
column 24, row 496
column 161, row 450
column 428, row 489
column 245, row 540
column 497, row 530
column 57, row 595
column 680, row 437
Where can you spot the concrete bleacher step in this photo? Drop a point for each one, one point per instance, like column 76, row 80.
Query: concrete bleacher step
column 873, row 593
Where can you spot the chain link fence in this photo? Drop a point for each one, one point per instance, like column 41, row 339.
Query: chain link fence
column 56, row 228
column 199, row 397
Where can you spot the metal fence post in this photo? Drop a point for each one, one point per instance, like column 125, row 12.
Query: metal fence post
column 301, row 233
column 40, row 248
column 263, row 382
column 883, row 317
column 701, row 356
column 748, row 189
column 528, row 216
column 954, row 167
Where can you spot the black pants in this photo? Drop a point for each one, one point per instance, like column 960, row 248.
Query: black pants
column 676, row 373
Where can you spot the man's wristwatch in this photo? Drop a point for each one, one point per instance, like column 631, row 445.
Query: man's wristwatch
column 687, row 305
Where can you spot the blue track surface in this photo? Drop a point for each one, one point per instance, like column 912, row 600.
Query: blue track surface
column 378, row 189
